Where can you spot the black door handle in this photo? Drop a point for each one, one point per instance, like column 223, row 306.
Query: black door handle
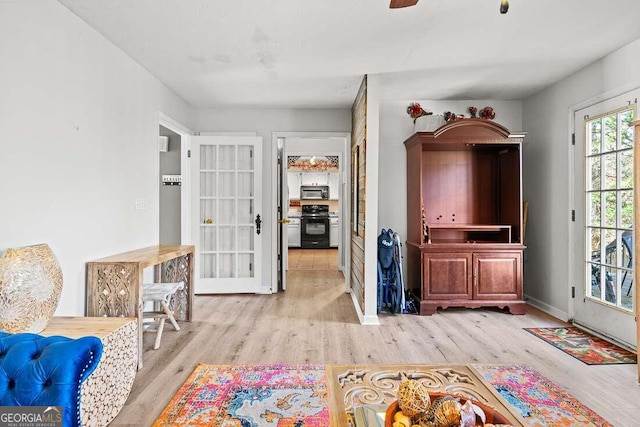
column 258, row 223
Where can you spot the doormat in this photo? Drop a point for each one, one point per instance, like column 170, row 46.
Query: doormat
column 584, row 347
column 250, row 395
column 539, row 401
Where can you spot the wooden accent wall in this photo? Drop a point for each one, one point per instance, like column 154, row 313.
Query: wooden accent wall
column 358, row 180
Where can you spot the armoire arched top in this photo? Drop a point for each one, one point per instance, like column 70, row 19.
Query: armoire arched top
column 477, row 131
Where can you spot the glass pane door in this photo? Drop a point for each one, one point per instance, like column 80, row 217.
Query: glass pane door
column 228, row 204
column 604, row 219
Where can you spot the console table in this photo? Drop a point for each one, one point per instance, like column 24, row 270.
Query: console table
column 114, row 283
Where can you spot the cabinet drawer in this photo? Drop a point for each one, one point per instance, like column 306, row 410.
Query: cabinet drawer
column 446, row 276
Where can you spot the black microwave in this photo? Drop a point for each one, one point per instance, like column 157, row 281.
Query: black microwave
column 314, row 192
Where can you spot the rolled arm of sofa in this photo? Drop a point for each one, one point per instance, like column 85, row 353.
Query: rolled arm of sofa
column 46, row 371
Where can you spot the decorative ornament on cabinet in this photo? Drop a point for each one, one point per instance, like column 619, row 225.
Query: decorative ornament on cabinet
column 415, row 110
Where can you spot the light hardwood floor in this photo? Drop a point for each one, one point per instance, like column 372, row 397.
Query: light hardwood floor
column 314, row 322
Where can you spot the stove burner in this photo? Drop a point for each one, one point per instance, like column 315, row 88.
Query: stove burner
column 315, row 211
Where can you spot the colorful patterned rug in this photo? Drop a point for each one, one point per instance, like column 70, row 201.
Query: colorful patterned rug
column 538, row 400
column 297, row 396
column 250, row 396
column 584, row 347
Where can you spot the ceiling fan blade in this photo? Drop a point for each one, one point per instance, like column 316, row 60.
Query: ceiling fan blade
column 396, row 4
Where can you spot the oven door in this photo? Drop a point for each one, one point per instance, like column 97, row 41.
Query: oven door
column 314, row 232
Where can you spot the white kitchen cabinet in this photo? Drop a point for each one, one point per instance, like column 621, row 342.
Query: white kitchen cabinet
column 334, row 185
column 293, row 182
column 334, row 232
column 293, row 232
column 306, row 178
column 314, row 178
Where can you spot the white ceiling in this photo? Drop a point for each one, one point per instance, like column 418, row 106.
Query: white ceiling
column 313, row 53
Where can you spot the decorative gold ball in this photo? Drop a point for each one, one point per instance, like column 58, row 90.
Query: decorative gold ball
column 413, row 398
column 444, row 412
column 448, row 414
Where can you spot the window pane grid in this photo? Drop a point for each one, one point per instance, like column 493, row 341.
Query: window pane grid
column 227, row 198
column 609, row 208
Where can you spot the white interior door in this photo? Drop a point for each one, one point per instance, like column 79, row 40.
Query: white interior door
column 227, row 213
column 283, row 220
column 604, row 219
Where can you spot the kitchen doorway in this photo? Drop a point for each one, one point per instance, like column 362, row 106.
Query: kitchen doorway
column 312, row 200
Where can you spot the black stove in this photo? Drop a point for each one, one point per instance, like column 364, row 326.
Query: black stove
column 315, row 211
column 314, row 226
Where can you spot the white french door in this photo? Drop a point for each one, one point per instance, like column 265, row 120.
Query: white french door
column 604, row 218
column 227, row 223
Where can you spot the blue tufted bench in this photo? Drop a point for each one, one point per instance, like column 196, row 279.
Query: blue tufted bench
column 46, row 371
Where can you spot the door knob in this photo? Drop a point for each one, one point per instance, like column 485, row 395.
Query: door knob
column 258, row 223
column 284, row 221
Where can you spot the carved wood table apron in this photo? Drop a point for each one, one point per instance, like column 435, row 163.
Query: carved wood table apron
column 114, row 283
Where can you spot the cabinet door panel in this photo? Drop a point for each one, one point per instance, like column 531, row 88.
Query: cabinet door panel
column 293, row 181
column 446, row 276
column 293, row 234
column 334, row 185
column 498, row 275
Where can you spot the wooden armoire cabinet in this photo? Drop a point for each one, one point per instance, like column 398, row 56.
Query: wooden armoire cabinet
column 464, row 216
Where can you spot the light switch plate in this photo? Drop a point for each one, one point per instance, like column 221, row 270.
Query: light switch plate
column 141, row 204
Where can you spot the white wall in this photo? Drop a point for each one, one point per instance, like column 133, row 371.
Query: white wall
column 395, row 127
column 546, row 179
column 300, row 146
column 264, row 122
column 79, row 141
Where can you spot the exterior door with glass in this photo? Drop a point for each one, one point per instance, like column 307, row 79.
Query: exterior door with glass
column 227, row 213
column 604, row 218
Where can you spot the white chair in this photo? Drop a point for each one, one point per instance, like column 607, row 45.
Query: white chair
column 160, row 293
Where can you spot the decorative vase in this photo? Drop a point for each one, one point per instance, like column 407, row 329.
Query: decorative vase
column 30, row 287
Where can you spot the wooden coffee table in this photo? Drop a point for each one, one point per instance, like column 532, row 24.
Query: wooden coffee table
column 353, row 385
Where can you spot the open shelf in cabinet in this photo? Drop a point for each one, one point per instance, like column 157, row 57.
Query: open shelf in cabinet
column 468, row 233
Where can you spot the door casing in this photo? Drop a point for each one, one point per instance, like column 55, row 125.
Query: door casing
column 346, row 203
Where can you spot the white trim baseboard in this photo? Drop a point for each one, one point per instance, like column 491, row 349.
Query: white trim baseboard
column 364, row 320
column 549, row 309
